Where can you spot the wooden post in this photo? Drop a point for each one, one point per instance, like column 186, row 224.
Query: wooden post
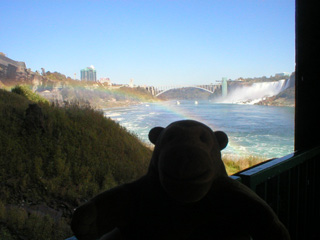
column 307, row 116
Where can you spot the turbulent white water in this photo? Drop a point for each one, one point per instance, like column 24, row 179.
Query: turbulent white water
column 252, row 129
column 256, row 92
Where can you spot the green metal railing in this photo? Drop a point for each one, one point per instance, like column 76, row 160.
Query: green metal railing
column 291, row 186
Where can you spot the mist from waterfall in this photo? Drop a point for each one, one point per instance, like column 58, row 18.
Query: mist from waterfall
column 256, row 92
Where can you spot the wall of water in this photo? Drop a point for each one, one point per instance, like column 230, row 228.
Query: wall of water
column 255, row 92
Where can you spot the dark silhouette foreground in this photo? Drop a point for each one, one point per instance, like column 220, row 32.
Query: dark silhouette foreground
column 186, row 194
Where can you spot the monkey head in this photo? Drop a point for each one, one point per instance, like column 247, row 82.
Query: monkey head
column 187, row 158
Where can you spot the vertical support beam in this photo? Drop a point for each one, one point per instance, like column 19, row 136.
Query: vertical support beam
column 224, row 87
column 307, row 120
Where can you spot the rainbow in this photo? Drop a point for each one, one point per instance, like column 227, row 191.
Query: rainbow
column 183, row 114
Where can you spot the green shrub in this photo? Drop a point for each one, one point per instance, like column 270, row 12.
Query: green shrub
column 27, row 92
column 5, row 234
column 35, row 226
column 235, row 164
column 16, row 218
column 2, row 212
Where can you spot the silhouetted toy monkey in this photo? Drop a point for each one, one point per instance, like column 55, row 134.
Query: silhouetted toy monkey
column 186, row 194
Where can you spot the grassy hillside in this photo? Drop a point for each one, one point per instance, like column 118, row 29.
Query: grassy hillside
column 52, row 159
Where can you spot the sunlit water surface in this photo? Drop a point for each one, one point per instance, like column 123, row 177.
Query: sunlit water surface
column 252, row 129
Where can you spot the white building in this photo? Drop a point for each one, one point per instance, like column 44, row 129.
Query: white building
column 105, row 80
column 131, row 83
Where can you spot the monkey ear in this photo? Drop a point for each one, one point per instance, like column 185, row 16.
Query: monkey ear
column 222, row 139
column 154, row 134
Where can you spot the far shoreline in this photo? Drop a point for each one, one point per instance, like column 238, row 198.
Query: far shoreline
column 127, row 103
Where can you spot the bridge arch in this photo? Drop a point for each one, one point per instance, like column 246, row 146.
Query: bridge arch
column 210, row 90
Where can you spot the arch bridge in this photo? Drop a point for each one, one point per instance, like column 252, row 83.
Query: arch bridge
column 156, row 91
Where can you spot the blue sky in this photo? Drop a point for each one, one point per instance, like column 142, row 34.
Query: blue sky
column 154, row 42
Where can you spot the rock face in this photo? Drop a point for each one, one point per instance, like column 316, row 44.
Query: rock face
column 11, row 70
column 285, row 98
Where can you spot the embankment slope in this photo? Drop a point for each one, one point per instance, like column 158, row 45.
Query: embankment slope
column 54, row 158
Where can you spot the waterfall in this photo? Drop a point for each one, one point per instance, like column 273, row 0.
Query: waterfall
column 256, row 92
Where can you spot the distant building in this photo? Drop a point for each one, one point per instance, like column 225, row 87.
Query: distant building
column 106, row 81
column 282, row 74
column 88, row 74
column 131, row 83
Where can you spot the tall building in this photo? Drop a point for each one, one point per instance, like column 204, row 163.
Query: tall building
column 89, row 74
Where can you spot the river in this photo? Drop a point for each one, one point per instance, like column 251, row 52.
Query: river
column 253, row 130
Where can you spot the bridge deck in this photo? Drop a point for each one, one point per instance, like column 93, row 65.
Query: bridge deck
column 156, row 91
